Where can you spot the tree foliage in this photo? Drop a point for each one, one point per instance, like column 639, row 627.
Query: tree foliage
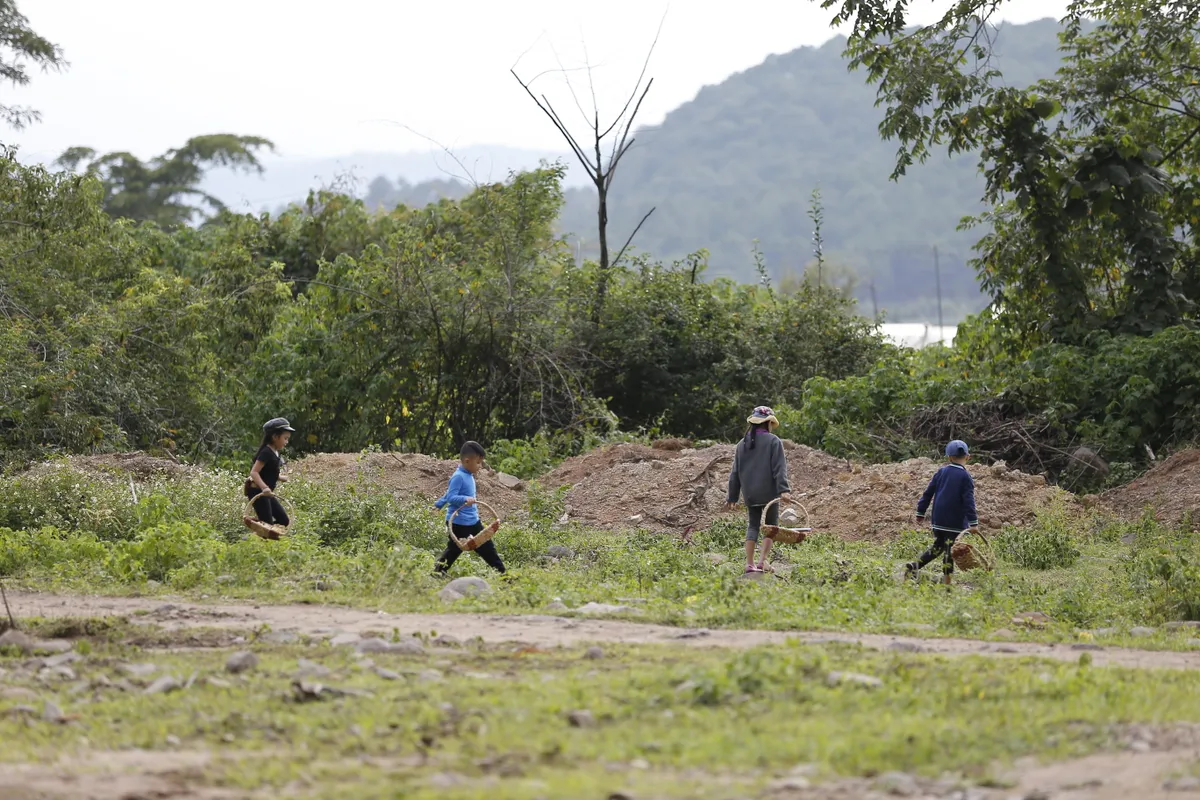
column 1090, row 173
column 414, row 329
column 165, row 189
column 20, row 45
column 102, row 347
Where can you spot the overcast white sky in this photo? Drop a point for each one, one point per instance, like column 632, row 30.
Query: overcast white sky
column 325, row 79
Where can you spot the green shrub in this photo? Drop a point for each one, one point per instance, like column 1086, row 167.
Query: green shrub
column 60, row 496
column 1165, row 569
column 1046, row 543
column 157, row 552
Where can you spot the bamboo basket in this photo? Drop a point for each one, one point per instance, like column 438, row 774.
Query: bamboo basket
column 481, row 538
column 780, row 534
column 967, row 556
column 257, row 526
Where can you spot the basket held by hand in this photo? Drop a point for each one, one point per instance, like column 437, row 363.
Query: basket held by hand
column 262, row 529
column 967, row 556
column 777, row 533
column 484, row 536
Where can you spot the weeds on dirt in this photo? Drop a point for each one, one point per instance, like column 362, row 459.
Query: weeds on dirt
column 474, row 719
column 358, row 545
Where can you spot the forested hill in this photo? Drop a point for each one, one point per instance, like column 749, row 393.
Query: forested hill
column 740, row 161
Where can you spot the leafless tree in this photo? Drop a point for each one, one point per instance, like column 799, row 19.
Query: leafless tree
column 599, row 157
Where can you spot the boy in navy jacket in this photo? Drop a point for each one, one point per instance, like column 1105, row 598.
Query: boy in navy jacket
column 952, row 492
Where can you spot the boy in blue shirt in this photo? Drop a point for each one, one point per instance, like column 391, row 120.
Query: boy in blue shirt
column 461, row 495
column 952, row 491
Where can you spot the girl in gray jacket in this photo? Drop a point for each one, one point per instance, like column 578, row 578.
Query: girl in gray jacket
column 759, row 476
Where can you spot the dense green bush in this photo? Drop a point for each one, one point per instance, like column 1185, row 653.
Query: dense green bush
column 1165, row 567
column 1117, row 394
column 1046, row 543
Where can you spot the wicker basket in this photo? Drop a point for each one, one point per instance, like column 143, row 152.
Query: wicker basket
column 968, row 557
column 484, row 536
column 257, row 526
column 780, row 534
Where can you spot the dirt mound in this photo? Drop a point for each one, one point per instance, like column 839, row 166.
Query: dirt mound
column 1171, row 488
column 407, row 475
column 876, row 502
column 677, row 489
column 850, row 501
column 577, row 468
column 122, row 466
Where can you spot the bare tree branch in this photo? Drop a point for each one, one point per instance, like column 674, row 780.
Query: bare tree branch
column 621, row 252
column 600, row 173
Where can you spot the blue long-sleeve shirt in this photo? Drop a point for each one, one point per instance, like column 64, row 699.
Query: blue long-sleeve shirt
column 462, row 486
column 952, row 492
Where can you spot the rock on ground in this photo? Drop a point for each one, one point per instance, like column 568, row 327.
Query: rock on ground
column 853, row 679
column 469, row 586
column 241, row 661
column 604, row 608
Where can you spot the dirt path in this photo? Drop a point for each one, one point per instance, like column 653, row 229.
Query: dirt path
column 547, row 630
column 1109, row 776
column 1142, row 773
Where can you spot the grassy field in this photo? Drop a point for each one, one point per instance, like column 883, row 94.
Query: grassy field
column 471, row 720
column 1093, row 577
column 474, row 720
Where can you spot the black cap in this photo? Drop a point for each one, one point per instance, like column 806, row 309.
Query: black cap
column 278, row 424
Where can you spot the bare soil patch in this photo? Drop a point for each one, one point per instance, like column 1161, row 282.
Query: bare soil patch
column 540, row 630
column 628, row 486
column 1172, row 488
column 876, row 502
column 118, row 466
column 122, row 775
column 408, row 476
column 577, row 468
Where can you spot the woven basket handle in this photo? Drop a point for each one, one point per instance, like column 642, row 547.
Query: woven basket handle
column 767, row 508
column 268, row 493
column 978, row 533
column 481, row 504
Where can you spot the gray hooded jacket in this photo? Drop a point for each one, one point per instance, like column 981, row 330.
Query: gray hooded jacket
column 759, row 469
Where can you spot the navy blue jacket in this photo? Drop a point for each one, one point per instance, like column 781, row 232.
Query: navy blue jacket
column 953, row 494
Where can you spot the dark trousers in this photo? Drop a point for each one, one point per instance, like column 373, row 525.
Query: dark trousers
column 754, row 522
column 486, row 551
column 942, row 542
column 270, row 510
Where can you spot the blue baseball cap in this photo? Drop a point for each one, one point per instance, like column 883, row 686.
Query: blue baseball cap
column 957, row 448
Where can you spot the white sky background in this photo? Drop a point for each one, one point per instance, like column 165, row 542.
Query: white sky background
column 325, row 79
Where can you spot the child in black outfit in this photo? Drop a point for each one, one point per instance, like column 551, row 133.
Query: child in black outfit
column 264, row 474
column 952, row 492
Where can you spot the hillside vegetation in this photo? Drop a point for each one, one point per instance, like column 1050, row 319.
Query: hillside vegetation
column 740, row 161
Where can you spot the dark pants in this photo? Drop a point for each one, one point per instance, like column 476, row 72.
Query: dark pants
column 270, row 510
column 754, row 521
column 487, row 550
column 942, row 542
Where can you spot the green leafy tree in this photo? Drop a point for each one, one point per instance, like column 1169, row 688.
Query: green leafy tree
column 105, row 342
column 166, row 189
column 1090, row 174
column 21, row 45
column 446, row 329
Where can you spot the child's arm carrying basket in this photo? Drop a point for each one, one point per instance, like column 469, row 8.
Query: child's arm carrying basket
column 484, row 536
column 967, row 556
column 780, row 534
column 262, row 529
